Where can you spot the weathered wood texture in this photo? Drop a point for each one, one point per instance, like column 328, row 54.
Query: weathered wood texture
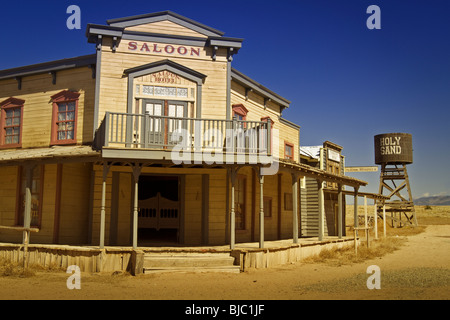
column 37, row 110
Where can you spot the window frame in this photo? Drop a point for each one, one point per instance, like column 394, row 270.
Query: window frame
column 240, row 110
column 64, row 97
column 11, row 103
column 286, row 156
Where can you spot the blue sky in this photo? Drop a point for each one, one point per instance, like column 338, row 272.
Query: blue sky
column 346, row 83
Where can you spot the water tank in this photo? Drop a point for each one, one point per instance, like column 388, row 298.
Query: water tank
column 393, row 148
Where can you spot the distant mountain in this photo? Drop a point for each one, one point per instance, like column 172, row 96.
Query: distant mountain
column 433, row 201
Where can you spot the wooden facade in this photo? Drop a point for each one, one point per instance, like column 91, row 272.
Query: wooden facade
column 87, row 145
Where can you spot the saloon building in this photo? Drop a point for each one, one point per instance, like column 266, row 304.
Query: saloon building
column 153, row 138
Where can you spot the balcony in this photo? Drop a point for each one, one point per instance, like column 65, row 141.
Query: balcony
column 184, row 140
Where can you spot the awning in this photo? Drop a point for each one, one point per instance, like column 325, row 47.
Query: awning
column 53, row 154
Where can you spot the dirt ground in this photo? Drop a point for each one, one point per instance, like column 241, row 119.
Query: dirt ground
column 419, row 269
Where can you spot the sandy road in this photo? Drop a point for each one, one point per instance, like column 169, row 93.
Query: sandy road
column 420, row 269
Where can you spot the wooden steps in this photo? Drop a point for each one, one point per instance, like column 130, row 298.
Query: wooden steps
column 156, row 262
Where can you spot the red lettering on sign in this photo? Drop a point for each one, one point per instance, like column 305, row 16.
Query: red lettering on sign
column 169, row 49
column 145, row 47
column 132, row 45
column 182, row 50
column 155, row 48
column 195, row 51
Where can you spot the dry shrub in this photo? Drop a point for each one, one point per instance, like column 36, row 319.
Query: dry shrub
column 346, row 255
column 11, row 269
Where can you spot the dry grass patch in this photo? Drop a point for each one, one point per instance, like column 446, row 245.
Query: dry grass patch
column 346, row 255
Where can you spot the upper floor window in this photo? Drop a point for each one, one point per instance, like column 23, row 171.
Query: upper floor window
column 64, row 120
column 11, row 123
column 288, row 151
column 239, row 112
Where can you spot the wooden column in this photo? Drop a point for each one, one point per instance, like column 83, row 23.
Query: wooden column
column 233, row 174
column 340, row 218
column 375, row 219
column 136, row 173
column 321, row 209
column 294, row 208
column 106, row 168
column 355, row 207
column 27, row 210
column 261, row 210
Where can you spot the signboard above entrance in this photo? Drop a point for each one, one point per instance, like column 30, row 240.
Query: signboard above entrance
column 170, row 49
column 361, row 169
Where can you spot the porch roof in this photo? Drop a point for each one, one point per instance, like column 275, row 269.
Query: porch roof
column 53, row 154
column 322, row 175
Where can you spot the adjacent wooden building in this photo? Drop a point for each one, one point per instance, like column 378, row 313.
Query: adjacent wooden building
column 153, row 138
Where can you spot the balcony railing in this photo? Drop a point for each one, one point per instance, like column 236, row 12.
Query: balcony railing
column 143, row 131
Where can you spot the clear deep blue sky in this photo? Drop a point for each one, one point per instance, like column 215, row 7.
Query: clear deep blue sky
column 346, row 83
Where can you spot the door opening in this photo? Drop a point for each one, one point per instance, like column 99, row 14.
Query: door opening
column 159, row 210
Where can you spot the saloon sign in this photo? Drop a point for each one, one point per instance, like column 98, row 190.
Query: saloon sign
column 146, row 47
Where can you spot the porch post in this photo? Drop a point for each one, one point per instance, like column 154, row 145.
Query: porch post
column 355, row 207
column 27, row 211
column 375, row 218
column 339, row 211
column 106, row 168
column 233, row 173
column 294, row 208
column 261, row 210
column 321, row 209
column 136, row 173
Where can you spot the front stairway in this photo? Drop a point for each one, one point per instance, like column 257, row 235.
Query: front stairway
column 156, row 262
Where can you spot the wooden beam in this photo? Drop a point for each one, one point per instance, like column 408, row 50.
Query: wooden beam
column 261, row 210
column 106, row 168
column 340, row 207
column 295, row 207
column 136, row 173
column 321, row 209
column 233, row 174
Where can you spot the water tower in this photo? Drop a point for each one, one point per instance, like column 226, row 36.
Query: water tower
column 393, row 151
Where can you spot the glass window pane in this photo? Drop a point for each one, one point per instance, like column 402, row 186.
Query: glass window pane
column 15, row 139
column 9, row 121
column 61, row 135
column 62, row 107
column 9, row 113
column 172, row 110
column 8, row 140
column 180, row 111
column 147, row 90
column 16, row 121
column 71, row 106
column 70, row 135
column 61, row 116
column 62, row 126
column 182, row 92
column 70, row 116
column 158, row 110
column 70, row 125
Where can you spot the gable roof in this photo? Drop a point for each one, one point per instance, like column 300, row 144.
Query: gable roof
column 247, row 82
column 166, row 65
column 52, row 66
column 161, row 16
